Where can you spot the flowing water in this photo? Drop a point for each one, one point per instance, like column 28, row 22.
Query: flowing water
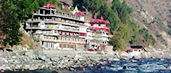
column 124, row 66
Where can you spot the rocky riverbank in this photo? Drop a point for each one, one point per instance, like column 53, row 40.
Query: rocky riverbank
column 68, row 60
column 53, row 59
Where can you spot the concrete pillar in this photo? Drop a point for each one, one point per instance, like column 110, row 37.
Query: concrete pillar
column 50, row 11
column 43, row 11
column 39, row 17
column 55, row 11
column 39, row 11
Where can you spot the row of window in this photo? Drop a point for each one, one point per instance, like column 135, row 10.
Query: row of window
column 64, row 38
column 56, row 46
column 98, row 25
column 58, row 20
column 52, row 12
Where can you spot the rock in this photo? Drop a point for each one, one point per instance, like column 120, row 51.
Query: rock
column 133, row 60
column 83, row 69
column 78, row 57
column 26, row 66
column 30, row 54
column 116, row 59
column 124, row 67
column 14, row 57
column 169, row 67
column 54, row 72
column 25, row 49
column 3, row 67
column 44, row 58
column 71, row 69
column 2, row 61
column 10, row 50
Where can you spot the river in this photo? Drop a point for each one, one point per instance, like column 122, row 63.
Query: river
column 123, row 66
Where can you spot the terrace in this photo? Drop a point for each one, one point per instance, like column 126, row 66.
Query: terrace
column 56, row 20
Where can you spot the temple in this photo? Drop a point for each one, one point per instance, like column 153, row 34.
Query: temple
column 61, row 30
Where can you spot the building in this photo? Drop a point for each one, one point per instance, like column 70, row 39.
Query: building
column 98, row 34
column 57, row 30
column 135, row 51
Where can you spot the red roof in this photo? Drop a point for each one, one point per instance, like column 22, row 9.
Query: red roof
column 80, row 13
column 82, row 34
column 49, row 6
column 91, row 50
column 99, row 21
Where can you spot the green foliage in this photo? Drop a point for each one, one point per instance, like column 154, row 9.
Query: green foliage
column 42, row 2
column 10, row 23
column 117, row 43
column 92, row 5
column 118, row 16
column 110, row 15
column 53, row 2
column 115, row 5
column 142, row 31
column 148, row 39
column 72, row 8
column 79, row 4
column 60, row 6
column 122, row 9
column 13, row 13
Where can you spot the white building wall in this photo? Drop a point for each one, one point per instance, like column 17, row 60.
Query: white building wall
column 83, row 29
column 82, row 18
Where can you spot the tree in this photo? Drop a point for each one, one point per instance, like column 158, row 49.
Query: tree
column 115, row 5
column 42, row 2
column 13, row 13
column 92, row 5
column 10, row 23
column 122, row 9
column 53, row 2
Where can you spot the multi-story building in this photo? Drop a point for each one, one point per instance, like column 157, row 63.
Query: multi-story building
column 98, row 33
column 61, row 30
column 58, row 30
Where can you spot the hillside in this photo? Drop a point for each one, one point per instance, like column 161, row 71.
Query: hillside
column 155, row 15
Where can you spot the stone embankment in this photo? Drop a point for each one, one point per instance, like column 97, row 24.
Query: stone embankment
column 52, row 59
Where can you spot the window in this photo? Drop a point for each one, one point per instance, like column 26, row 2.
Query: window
column 64, row 45
column 60, row 45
